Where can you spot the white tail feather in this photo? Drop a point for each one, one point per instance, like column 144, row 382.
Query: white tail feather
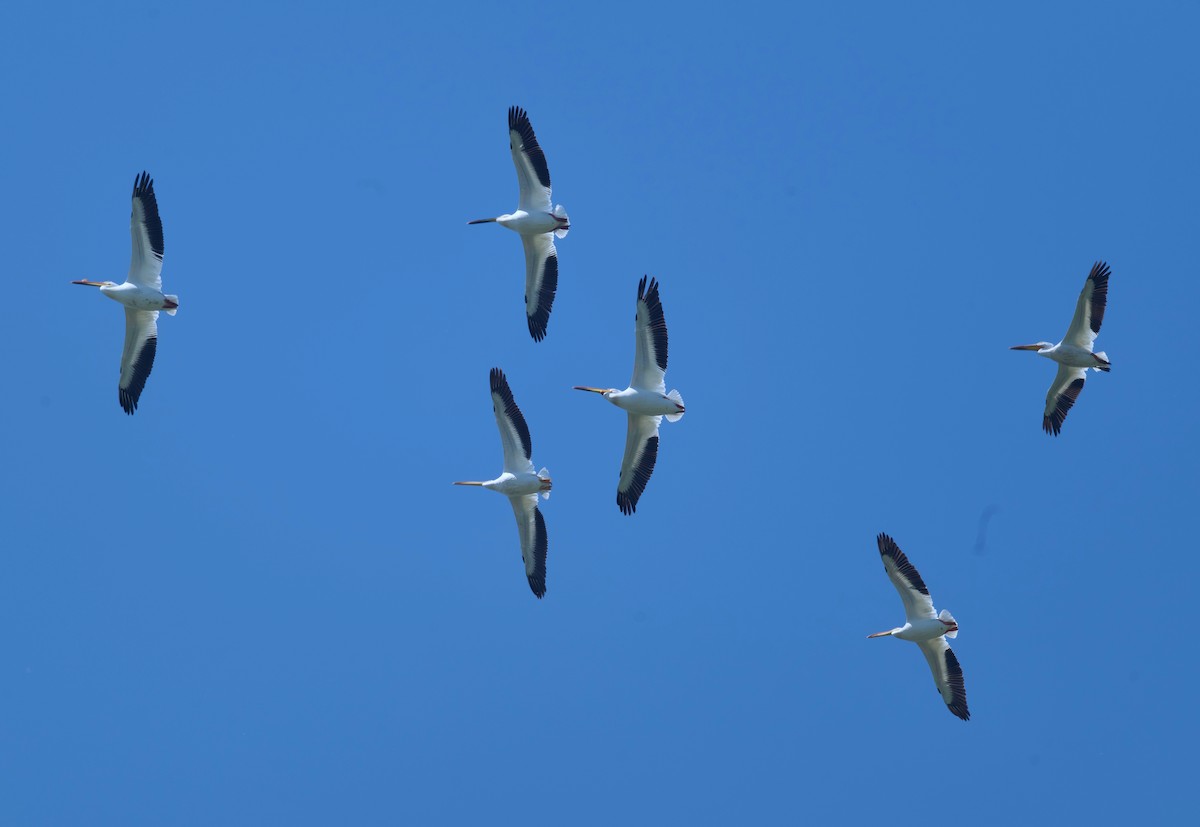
column 675, row 397
column 1103, row 357
column 949, row 618
column 171, row 311
column 544, row 474
column 561, row 212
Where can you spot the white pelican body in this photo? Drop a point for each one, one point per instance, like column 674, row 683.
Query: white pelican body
column 518, row 482
column 535, row 221
column 141, row 294
column 1074, row 353
column 925, row 627
column 646, row 399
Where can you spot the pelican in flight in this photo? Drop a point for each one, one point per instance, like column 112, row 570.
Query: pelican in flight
column 535, row 221
column 1074, row 353
column 519, row 483
column 925, row 627
column 646, row 399
column 141, row 294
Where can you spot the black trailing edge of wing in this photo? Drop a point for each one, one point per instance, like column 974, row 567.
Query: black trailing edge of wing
column 627, row 500
column 142, row 365
column 539, row 320
column 518, row 121
column 1099, row 278
column 541, row 544
column 657, row 324
column 143, row 190
column 1053, row 423
column 499, row 385
column 958, row 688
column 888, row 548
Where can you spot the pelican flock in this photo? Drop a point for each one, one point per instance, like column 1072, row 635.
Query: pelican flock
column 518, row 481
column 535, row 221
column 925, row 627
column 141, row 294
column 1074, row 353
column 645, row 400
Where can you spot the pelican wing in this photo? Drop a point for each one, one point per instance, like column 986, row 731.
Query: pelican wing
column 541, row 281
column 650, row 343
column 1068, row 383
column 904, row 576
column 641, row 451
column 947, row 675
column 145, row 266
column 1089, row 310
column 534, row 542
column 533, row 176
column 514, row 433
column 137, row 359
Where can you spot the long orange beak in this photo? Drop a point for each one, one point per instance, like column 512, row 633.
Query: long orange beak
column 1026, row 347
column 89, row 283
column 880, row 634
column 468, row 483
column 593, row 390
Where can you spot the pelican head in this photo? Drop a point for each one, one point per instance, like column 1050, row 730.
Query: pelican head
column 1038, row 346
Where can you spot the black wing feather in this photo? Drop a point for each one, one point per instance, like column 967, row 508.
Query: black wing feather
column 627, row 500
column 1099, row 278
column 657, row 325
column 539, row 320
column 958, row 688
column 541, row 544
column 499, row 383
column 142, row 365
column 518, row 121
column 888, row 548
column 143, row 190
column 1053, row 423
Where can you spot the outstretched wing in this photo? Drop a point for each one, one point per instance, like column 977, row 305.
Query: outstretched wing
column 641, row 451
column 137, row 359
column 145, row 266
column 650, row 342
column 533, row 176
column 917, row 602
column 514, row 433
column 947, row 675
column 541, row 281
column 534, row 542
column 1067, row 385
column 1089, row 310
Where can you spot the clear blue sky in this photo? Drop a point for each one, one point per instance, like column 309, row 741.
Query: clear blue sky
column 261, row 601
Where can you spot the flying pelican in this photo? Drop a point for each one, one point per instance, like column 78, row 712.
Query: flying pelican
column 141, row 294
column 925, row 627
column 1074, row 353
column 519, row 483
column 645, row 399
column 534, row 221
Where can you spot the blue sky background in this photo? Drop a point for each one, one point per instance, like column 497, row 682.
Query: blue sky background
column 261, row 601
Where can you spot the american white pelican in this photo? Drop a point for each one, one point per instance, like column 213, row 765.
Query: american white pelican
column 645, row 399
column 1074, row 353
column 518, row 482
column 535, row 221
column 925, row 627
column 141, row 294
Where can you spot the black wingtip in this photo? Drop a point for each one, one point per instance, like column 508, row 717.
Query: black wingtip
column 1099, row 278
column 539, row 320
column 888, row 548
column 1053, row 423
column 958, row 688
column 143, row 184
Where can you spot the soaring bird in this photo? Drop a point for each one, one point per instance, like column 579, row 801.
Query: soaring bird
column 1074, row 353
column 518, row 482
column 141, row 294
column 646, row 399
column 925, row 627
column 535, row 221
